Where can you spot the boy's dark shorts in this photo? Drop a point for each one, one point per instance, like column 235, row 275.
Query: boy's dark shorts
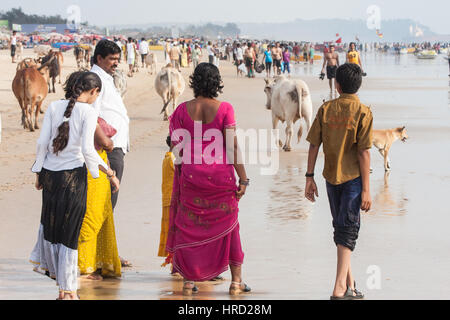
column 331, row 72
column 345, row 205
column 277, row 63
column 13, row 50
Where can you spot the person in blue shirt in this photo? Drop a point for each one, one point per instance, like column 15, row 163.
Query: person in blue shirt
column 268, row 60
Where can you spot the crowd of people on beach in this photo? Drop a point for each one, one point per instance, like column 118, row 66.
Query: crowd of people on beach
column 84, row 140
column 249, row 56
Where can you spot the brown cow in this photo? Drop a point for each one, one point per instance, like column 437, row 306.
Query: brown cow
column 30, row 88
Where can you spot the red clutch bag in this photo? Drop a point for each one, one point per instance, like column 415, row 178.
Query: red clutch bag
column 107, row 129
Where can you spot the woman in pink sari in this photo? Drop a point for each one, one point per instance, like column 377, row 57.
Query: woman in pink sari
column 203, row 237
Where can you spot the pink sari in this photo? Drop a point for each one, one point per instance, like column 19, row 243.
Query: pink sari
column 203, row 236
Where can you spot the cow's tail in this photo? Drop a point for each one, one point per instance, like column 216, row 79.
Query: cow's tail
column 170, row 95
column 27, row 110
column 165, row 106
column 22, row 100
column 302, row 93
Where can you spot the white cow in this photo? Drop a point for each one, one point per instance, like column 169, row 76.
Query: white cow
column 42, row 49
column 289, row 100
column 151, row 61
column 169, row 84
column 120, row 82
column 19, row 50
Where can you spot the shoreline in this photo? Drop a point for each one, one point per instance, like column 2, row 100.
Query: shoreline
column 404, row 223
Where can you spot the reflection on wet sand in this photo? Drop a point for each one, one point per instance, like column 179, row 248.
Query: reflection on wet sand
column 153, row 285
column 108, row 289
column 388, row 201
column 449, row 92
column 287, row 201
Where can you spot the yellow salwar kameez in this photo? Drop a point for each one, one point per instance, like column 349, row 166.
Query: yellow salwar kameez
column 168, row 170
column 97, row 245
column 184, row 58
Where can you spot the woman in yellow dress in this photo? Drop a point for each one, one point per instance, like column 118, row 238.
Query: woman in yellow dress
column 98, row 255
column 184, row 56
column 353, row 56
column 168, row 171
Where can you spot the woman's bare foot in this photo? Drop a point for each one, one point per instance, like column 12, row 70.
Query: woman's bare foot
column 93, row 277
column 71, row 296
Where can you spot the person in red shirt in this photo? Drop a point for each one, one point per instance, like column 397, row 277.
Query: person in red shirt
column 296, row 50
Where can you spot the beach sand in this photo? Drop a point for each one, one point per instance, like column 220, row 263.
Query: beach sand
column 288, row 244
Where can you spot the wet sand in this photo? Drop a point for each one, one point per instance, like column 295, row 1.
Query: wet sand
column 289, row 252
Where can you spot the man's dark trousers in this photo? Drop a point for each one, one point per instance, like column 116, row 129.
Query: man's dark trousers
column 116, row 161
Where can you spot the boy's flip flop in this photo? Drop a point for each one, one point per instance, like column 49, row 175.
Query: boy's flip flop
column 350, row 295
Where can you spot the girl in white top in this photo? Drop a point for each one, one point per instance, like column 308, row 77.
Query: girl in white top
column 65, row 149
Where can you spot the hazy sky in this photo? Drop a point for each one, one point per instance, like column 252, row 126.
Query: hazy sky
column 433, row 13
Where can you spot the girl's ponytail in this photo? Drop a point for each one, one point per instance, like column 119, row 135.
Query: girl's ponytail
column 76, row 84
column 61, row 140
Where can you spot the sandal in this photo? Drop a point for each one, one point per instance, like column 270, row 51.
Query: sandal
column 235, row 291
column 125, row 263
column 350, row 295
column 358, row 295
column 189, row 291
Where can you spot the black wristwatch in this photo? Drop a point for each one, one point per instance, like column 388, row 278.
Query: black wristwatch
column 244, row 182
column 309, row 175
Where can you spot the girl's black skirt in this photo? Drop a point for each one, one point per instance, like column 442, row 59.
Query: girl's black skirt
column 63, row 205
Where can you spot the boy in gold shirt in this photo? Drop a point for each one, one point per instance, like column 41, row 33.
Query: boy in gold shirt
column 344, row 127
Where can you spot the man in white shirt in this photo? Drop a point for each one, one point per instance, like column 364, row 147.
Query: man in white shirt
column 210, row 51
column 239, row 54
column 110, row 107
column 143, row 50
column 239, row 59
column 13, row 45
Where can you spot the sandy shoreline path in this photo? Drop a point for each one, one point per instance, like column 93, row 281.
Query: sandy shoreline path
column 289, row 253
